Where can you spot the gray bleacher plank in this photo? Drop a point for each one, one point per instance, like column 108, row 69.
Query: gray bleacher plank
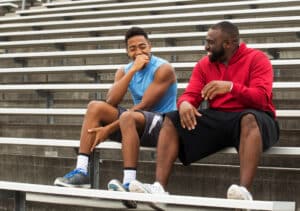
column 160, row 8
column 178, row 49
column 168, row 25
column 78, row 111
column 154, row 2
column 163, row 16
column 12, row 5
column 84, row 202
column 105, row 86
column 199, row 35
column 103, row 6
column 67, row 3
column 50, row 69
column 9, row 1
column 159, row 198
column 43, row 111
column 291, row 151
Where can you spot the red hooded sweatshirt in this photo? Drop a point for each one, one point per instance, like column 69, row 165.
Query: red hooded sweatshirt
column 251, row 73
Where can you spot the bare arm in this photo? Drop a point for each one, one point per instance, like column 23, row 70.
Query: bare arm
column 163, row 78
column 122, row 80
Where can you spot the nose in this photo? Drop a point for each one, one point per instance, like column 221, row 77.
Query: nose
column 206, row 47
column 138, row 51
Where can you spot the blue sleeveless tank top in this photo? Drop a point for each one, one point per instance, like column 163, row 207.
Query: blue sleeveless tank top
column 143, row 78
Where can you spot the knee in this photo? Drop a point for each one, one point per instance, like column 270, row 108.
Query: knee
column 95, row 107
column 126, row 117
column 249, row 123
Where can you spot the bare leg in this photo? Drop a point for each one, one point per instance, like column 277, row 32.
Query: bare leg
column 167, row 151
column 131, row 123
column 97, row 111
column 250, row 149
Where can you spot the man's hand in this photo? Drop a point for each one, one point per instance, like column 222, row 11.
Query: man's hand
column 101, row 133
column 188, row 113
column 140, row 62
column 214, row 88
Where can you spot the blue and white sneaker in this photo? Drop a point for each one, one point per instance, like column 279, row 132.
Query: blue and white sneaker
column 115, row 185
column 76, row 178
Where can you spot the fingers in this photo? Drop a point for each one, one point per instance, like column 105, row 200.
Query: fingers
column 209, row 91
column 141, row 60
column 94, row 145
column 91, row 130
column 196, row 112
column 188, row 120
column 95, row 142
column 213, row 88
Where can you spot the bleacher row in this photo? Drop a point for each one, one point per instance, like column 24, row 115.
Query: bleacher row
column 57, row 56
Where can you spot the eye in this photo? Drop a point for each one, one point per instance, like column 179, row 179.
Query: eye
column 131, row 49
column 210, row 42
column 143, row 46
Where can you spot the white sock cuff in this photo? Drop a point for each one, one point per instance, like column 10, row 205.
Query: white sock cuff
column 129, row 175
column 82, row 162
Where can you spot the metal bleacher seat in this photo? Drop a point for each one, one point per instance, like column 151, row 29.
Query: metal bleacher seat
column 171, row 5
column 181, row 35
column 158, row 50
column 127, row 16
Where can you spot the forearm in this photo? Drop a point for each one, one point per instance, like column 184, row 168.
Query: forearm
column 119, row 89
column 258, row 97
column 114, row 126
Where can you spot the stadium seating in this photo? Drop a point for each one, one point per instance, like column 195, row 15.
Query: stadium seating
column 59, row 55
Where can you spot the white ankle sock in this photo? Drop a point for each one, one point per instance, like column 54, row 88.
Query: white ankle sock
column 82, row 162
column 129, row 175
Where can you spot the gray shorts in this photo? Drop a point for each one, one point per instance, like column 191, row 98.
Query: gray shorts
column 153, row 123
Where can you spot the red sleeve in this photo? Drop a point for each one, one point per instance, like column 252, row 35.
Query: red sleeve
column 258, row 92
column 192, row 93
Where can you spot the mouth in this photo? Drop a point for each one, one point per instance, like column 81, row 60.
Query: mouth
column 209, row 53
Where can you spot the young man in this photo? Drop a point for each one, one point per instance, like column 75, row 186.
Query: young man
column 237, row 82
column 153, row 86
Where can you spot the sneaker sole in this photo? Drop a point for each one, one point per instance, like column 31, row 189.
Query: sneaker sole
column 126, row 203
column 137, row 188
column 62, row 184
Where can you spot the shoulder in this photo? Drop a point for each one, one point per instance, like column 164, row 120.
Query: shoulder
column 254, row 53
column 165, row 70
column 202, row 64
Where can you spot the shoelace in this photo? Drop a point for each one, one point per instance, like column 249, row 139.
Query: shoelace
column 152, row 188
column 75, row 171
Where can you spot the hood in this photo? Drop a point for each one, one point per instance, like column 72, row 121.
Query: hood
column 241, row 52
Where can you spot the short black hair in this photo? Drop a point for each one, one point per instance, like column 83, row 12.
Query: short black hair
column 135, row 31
column 229, row 29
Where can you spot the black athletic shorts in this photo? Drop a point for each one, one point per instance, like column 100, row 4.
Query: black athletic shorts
column 153, row 123
column 216, row 130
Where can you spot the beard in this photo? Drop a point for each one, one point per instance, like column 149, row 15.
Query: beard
column 216, row 55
